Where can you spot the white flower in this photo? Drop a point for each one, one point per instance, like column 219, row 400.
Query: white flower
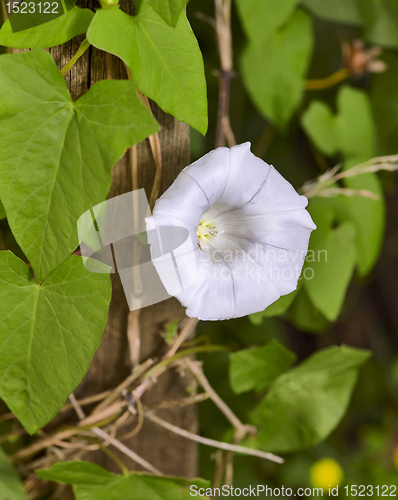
column 251, row 232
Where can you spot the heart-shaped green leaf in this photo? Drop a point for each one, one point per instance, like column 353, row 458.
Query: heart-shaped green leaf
column 57, row 155
column 256, row 367
column 306, row 403
column 274, row 68
column 49, row 333
column 165, row 62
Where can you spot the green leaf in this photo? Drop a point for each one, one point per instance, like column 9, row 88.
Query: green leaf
column 49, row 333
column 381, row 19
column 3, row 214
column 332, row 272
column 352, row 132
column 384, row 99
column 256, row 368
column 358, row 144
column 342, row 11
column 305, row 316
column 91, row 482
column 320, row 124
column 57, row 155
column 165, row 62
column 10, row 484
column 50, row 34
column 305, row 404
column 355, row 125
column 369, row 218
column 260, row 19
column 274, row 69
column 169, row 10
column 330, row 259
column 141, row 487
column 76, row 472
column 275, row 309
column 29, row 17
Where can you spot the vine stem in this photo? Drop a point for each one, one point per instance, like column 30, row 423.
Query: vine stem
column 212, row 442
column 129, row 453
column 329, row 81
column 80, row 51
column 114, row 395
column 320, row 187
column 224, row 133
column 242, row 429
column 113, row 441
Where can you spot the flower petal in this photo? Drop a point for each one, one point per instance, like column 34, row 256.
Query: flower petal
column 222, row 171
column 256, row 249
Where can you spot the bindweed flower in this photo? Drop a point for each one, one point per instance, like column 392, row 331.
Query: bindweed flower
column 251, row 232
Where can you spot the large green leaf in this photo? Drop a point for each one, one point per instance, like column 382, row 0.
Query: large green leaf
column 91, row 482
column 352, row 132
column 169, row 10
column 260, row 19
column 257, row 367
column 50, row 34
column 165, row 62
column 49, row 333
column 57, row 154
column 10, row 484
column 305, row 404
column 274, row 69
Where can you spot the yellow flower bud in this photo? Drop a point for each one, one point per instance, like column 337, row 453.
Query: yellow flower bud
column 326, row 473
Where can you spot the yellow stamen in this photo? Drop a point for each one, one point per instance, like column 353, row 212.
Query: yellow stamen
column 207, row 229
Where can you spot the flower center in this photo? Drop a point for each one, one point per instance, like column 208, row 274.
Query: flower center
column 207, row 230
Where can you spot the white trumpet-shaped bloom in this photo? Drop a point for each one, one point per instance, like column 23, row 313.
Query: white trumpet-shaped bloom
column 251, row 232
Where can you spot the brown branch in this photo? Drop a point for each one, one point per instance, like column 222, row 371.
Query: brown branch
column 114, row 442
column 211, row 442
column 203, row 396
column 241, row 429
column 224, row 133
column 138, row 373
